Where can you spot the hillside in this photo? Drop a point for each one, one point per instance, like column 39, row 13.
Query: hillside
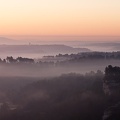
column 8, row 41
column 44, row 49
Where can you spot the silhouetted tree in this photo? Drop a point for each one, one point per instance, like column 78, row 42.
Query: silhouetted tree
column 10, row 59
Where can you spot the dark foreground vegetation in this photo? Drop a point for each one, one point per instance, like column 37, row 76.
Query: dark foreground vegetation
column 92, row 96
column 68, row 97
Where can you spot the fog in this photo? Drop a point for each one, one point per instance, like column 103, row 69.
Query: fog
column 28, row 46
column 58, row 80
column 52, row 70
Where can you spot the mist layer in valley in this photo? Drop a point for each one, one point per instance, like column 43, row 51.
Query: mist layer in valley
column 72, row 96
column 33, row 47
column 50, row 66
column 59, row 80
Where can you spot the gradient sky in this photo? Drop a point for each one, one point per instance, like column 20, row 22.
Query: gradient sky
column 60, row 17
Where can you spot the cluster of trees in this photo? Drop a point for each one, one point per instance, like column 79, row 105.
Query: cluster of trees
column 112, row 88
column 112, row 74
column 112, row 71
column 70, row 96
column 61, row 58
column 112, row 82
column 17, row 60
column 92, row 55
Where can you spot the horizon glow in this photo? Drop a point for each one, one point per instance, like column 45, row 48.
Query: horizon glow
column 60, row 17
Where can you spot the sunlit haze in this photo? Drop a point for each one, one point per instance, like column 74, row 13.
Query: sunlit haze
column 60, row 17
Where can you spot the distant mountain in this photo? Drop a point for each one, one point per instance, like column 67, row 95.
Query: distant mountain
column 102, row 46
column 8, row 41
column 38, row 49
column 4, row 40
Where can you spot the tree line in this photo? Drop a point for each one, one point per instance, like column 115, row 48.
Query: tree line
column 16, row 60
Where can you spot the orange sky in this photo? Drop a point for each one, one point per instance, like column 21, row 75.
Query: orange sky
column 60, row 17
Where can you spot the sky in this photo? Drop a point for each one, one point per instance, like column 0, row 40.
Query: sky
column 60, row 17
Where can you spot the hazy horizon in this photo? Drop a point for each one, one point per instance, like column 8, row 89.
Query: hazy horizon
column 59, row 59
column 61, row 17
